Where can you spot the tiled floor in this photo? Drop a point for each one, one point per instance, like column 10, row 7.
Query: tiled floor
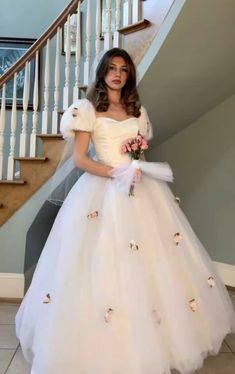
column 12, row 361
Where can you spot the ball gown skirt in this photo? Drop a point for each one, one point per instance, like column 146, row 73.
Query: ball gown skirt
column 123, row 286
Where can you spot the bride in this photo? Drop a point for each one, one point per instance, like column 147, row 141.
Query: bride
column 123, row 284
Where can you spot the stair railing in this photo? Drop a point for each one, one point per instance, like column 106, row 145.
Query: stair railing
column 24, row 125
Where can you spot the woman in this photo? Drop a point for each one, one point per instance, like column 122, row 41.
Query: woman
column 123, row 284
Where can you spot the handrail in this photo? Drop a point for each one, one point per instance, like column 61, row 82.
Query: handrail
column 40, row 42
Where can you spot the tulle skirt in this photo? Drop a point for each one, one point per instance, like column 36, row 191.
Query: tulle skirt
column 123, row 286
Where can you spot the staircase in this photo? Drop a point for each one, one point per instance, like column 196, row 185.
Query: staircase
column 30, row 151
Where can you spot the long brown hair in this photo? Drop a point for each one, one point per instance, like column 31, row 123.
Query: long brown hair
column 98, row 93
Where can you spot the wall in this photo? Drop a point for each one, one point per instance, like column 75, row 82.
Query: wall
column 27, row 18
column 202, row 158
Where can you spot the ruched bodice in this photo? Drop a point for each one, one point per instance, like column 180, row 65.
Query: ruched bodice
column 108, row 136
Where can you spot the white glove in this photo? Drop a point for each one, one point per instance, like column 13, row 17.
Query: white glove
column 125, row 174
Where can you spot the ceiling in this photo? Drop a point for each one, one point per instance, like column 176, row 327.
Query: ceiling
column 194, row 69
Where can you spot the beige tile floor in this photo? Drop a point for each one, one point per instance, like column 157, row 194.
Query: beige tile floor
column 12, row 361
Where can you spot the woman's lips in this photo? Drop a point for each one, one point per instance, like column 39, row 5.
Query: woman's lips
column 116, row 81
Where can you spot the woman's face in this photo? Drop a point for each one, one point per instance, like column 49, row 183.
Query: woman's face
column 117, row 74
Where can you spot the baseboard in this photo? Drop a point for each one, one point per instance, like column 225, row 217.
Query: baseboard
column 12, row 285
column 227, row 273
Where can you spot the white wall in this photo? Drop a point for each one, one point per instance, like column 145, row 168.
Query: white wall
column 202, row 157
column 27, row 18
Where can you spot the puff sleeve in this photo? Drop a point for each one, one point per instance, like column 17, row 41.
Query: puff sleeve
column 145, row 126
column 79, row 116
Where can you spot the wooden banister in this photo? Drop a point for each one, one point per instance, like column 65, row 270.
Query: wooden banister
column 41, row 42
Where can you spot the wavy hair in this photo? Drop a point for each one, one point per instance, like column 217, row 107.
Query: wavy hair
column 98, row 93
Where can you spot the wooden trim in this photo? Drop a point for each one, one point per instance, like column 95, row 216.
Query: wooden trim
column 31, row 158
column 40, row 42
column 14, row 181
column 50, row 136
column 11, row 300
column 230, row 288
column 140, row 25
column 83, row 87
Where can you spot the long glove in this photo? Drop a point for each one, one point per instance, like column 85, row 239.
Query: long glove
column 124, row 174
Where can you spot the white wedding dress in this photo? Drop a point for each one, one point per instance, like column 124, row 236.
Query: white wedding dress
column 115, row 291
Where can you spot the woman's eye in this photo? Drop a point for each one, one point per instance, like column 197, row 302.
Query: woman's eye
column 124, row 69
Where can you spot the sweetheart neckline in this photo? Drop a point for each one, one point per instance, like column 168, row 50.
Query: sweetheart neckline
column 115, row 120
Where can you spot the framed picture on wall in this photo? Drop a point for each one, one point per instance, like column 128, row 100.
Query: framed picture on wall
column 73, row 32
column 11, row 49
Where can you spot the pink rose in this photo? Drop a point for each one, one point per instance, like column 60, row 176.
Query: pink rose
column 123, row 148
column 128, row 147
column 134, row 147
column 144, row 144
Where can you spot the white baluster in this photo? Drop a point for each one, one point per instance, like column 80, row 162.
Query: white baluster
column 10, row 170
column 46, row 90
column 67, row 66
column 23, row 135
column 56, row 84
column 136, row 10
column 98, row 27
column 2, row 127
column 88, row 43
column 108, row 34
column 117, row 35
column 32, row 152
column 77, row 54
column 127, row 13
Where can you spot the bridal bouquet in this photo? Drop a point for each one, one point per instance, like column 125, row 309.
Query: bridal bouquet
column 124, row 174
column 135, row 147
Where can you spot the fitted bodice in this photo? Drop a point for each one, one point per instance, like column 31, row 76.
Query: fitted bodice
column 109, row 134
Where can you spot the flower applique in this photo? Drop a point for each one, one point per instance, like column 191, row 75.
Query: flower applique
column 211, row 281
column 177, row 200
column 47, row 299
column 75, row 112
column 156, row 316
column 133, row 245
column 177, row 238
column 92, row 215
column 108, row 314
column 193, row 305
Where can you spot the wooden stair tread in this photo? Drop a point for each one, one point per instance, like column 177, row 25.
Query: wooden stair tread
column 14, row 181
column 50, row 136
column 31, row 158
column 83, row 87
column 140, row 25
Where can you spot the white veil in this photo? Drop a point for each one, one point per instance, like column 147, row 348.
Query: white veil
column 67, row 173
